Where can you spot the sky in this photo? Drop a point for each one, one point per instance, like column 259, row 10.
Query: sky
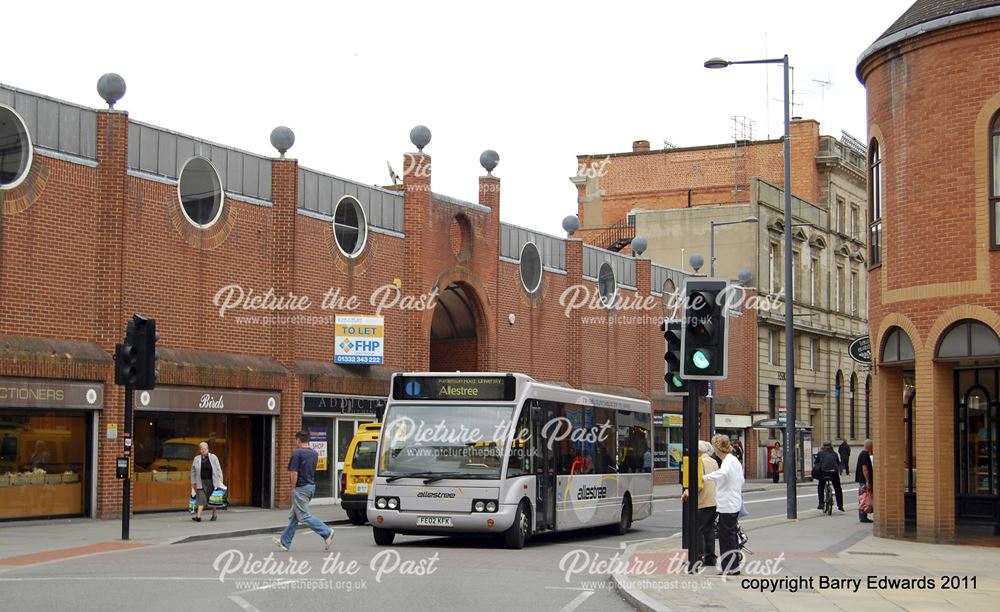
column 539, row 82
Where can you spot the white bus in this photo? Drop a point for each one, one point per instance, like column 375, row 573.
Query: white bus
column 504, row 454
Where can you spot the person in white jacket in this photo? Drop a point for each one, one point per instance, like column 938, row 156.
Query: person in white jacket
column 728, row 481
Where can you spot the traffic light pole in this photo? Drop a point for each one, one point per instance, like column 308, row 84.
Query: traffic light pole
column 691, row 422
column 127, row 482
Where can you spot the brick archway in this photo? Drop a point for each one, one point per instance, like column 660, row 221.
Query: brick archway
column 458, row 328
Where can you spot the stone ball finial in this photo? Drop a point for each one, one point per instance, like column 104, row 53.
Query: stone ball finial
column 420, row 136
column 570, row 224
column 696, row 262
column 489, row 160
column 111, row 87
column 282, row 139
column 639, row 245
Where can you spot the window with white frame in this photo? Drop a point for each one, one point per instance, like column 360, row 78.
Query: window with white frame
column 875, row 203
column 796, row 275
column 814, row 354
column 838, row 283
column 772, row 266
column 838, row 215
column 855, row 298
column 773, row 347
column 813, row 281
column 854, row 222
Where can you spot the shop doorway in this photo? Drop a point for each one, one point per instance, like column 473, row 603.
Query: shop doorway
column 331, row 436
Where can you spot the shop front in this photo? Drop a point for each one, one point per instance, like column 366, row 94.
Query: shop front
column 47, row 442
column 170, row 424
column 331, row 421
column 668, row 441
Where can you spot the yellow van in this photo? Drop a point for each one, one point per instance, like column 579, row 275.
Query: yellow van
column 359, row 470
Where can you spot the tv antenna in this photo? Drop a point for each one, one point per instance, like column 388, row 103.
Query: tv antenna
column 822, row 90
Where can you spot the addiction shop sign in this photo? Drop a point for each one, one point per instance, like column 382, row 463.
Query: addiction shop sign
column 360, row 340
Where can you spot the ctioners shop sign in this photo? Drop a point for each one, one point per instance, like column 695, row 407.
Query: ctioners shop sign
column 226, row 401
column 36, row 393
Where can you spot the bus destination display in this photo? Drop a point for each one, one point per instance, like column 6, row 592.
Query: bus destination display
column 456, row 388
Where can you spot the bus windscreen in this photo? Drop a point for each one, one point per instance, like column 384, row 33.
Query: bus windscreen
column 458, row 388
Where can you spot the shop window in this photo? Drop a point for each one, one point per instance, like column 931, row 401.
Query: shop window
column 854, row 412
column 668, row 442
column 977, row 438
column 200, row 192
column 15, row 148
column 772, row 408
column 43, row 464
column 838, row 413
column 531, row 267
column 350, row 226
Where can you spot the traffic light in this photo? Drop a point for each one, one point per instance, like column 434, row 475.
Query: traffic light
column 135, row 359
column 675, row 385
column 706, row 334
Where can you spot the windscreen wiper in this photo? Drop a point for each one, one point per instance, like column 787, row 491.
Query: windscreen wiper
column 442, row 475
column 410, row 475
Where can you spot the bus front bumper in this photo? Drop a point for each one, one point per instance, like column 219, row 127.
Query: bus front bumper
column 417, row 521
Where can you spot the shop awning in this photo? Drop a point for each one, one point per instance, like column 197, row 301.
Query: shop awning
column 224, row 370
column 67, row 358
column 326, row 377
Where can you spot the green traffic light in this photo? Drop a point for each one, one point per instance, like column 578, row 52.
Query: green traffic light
column 676, row 381
column 700, row 360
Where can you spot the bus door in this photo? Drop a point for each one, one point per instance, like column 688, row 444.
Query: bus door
column 544, row 467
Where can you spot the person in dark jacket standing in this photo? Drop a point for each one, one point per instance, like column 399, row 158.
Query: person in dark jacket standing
column 845, row 457
column 865, row 475
column 827, row 467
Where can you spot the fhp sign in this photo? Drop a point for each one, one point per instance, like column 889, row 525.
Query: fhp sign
column 359, row 340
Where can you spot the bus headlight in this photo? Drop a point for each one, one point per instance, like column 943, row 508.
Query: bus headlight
column 380, row 503
column 484, row 505
column 393, row 503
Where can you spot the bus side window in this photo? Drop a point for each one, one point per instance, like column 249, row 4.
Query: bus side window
column 519, row 462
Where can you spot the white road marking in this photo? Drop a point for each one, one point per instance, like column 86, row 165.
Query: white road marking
column 239, row 601
column 582, row 597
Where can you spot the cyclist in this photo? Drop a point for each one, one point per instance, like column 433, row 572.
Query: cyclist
column 827, row 468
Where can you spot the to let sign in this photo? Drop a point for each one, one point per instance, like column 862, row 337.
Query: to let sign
column 861, row 350
column 359, row 340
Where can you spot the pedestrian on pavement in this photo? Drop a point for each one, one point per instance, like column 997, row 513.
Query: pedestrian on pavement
column 302, row 475
column 706, row 505
column 827, row 467
column 206, row 476
column 865, row 476
column 845, row 457
column 728, row 501
column 775, row 461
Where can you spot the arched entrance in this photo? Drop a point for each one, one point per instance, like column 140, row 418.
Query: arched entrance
column 458, row 331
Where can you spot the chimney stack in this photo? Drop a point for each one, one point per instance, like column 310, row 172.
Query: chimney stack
column 640, row 146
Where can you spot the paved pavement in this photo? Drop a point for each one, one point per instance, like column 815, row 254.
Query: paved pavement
column 813, row 563
column 25, row 542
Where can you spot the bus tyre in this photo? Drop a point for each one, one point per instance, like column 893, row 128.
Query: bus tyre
column 625, row 521
column 356, row 517
column 383, row 537
column 517, row 533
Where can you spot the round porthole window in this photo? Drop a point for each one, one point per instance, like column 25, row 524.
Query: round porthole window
column 350, row 226
column 607, row 286
column 531, row 267
column 200, row 192
column 15, row 148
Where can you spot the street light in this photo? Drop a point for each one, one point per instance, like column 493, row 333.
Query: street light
column 711, row 273
column 790, row 473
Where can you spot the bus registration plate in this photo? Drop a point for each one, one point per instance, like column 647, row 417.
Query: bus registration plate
column 434, row 521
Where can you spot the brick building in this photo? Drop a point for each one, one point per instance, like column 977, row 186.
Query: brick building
column 244, row 260
column 672, row 196
column 934, row 158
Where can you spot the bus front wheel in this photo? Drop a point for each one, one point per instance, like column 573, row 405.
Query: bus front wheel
column 625, row 520
column 383, row 537
column 517, row 533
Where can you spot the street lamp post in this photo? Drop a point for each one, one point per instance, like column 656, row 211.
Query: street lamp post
column 711, row 272
column 790, row 461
